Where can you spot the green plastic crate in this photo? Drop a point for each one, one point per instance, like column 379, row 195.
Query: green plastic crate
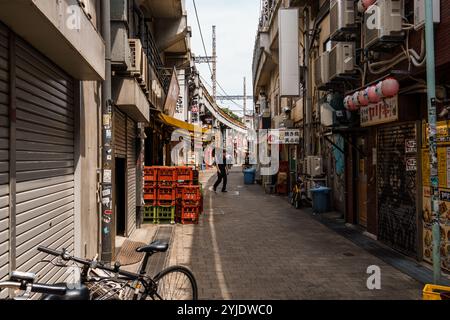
column 149, row 213
column 165, row 215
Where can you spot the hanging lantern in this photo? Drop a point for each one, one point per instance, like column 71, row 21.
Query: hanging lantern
column 355, row 100
column 346, row 105
column 379, row 90
column 367, row 3
column 390, row 87
column 372, row 94
column 361, row 8
column 350, row 105
column 363, row 98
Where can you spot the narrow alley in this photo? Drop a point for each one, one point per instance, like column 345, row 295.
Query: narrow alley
column 252, row 246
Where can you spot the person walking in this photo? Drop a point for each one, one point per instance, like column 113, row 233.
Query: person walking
column 221, row 172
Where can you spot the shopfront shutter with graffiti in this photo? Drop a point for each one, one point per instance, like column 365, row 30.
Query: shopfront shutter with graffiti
column 397, row 187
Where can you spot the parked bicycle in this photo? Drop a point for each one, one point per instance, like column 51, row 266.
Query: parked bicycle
column 98, row 281
column 299, row 197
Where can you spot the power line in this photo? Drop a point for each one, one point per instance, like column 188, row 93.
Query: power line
column 206, row 53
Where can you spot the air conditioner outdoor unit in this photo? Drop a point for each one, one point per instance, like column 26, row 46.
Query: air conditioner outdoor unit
column 139, row 64
column 383, row 25
column 342, row 19
column 321, row 70
column 341, row 60
column 313, row 166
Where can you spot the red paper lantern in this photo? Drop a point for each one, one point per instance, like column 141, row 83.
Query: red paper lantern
column 363, row 98
column 372, row 94
column 350, row 104
column 367, row 3
column 390, row 87
column 355, row 100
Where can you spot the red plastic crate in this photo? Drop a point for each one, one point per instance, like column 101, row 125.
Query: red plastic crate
column 189, row 212
column 185, row 174
column 151, row 174
column 167, row 174
column 191, row 193
column 150, row 192
column 165, row 203
column 166, row 193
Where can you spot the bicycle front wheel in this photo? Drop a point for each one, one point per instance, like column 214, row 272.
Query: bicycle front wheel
column 176, row 283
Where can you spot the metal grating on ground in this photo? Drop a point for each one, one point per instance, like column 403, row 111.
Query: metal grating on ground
column 159, row 260
column 128, row 255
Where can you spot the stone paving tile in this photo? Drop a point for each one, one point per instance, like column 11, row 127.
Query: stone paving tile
column 258, row 247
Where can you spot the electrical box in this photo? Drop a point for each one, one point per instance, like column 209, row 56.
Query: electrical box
column 313, row 166
column 383, row 25
column 342, row 19
column 419, row 13
column 327, row 116
column 321, row 70
column 341, row 60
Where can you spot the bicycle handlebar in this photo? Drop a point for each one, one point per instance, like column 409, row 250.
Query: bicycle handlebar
column 90, row 263
column 35, row 287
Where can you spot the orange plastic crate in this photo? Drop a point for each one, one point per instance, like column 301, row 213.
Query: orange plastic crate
column 191, row 193
column 189, row 212
column 185, row 174
column 167, row 174
column 151, row 174
column 166, row 193
column 150, row 192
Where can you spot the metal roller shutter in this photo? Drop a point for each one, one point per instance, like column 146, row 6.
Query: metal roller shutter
column 131, row 176
column 120, row 143
column 4, row 156
column 45, row 161
column 397, row 189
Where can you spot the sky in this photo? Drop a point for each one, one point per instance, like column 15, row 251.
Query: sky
column 236, row 24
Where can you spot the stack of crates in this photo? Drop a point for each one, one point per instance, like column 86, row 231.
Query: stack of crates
column 166, row 195
column 172, row 194
column 150, row 192
column 189, row 206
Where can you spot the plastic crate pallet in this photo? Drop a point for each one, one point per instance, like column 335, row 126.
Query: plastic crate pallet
column 167, row 174
column 149, row 213
column 191, row 193
column 165, row 214
column 185, row 174
column 151, row 174
column 166, row 193
column 150, row 192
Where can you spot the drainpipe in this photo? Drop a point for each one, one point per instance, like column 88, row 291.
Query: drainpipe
column 106, row 215
column 308, row 110
column 431, row 84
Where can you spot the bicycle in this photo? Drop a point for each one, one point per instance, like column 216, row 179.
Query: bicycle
column 299, row 197
column 173, row 283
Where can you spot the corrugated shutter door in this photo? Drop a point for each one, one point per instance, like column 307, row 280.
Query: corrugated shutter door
column 120, row 142
column 397, row 188
column 45, row 161
column 131, row 175
column 4, row 156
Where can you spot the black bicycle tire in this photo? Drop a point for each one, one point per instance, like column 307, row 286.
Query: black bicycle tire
column 181, row 269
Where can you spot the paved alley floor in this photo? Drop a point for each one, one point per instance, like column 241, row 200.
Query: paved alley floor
column 249, row 245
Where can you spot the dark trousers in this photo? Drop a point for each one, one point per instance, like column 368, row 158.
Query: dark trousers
column 221, row 176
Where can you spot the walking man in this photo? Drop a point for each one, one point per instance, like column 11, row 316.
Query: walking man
column 221, row 165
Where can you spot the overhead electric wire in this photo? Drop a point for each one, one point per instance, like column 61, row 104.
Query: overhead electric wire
column 206, row 54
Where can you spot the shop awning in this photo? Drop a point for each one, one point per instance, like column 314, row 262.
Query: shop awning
column 178, row 124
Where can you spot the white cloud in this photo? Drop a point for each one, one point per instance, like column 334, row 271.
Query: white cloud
column 236, row 23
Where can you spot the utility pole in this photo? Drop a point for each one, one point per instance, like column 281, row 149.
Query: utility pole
column 106, row 215
column 214, row 63
column 245, row 100
column 432, row 141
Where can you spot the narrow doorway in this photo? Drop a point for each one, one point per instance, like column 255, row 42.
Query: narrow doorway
column 120, row 196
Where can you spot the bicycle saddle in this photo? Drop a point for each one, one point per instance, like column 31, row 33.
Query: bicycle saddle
column 78, row 294
column 157, row 246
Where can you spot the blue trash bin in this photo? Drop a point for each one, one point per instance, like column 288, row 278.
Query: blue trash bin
column 321, row 199
column 249, row 176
